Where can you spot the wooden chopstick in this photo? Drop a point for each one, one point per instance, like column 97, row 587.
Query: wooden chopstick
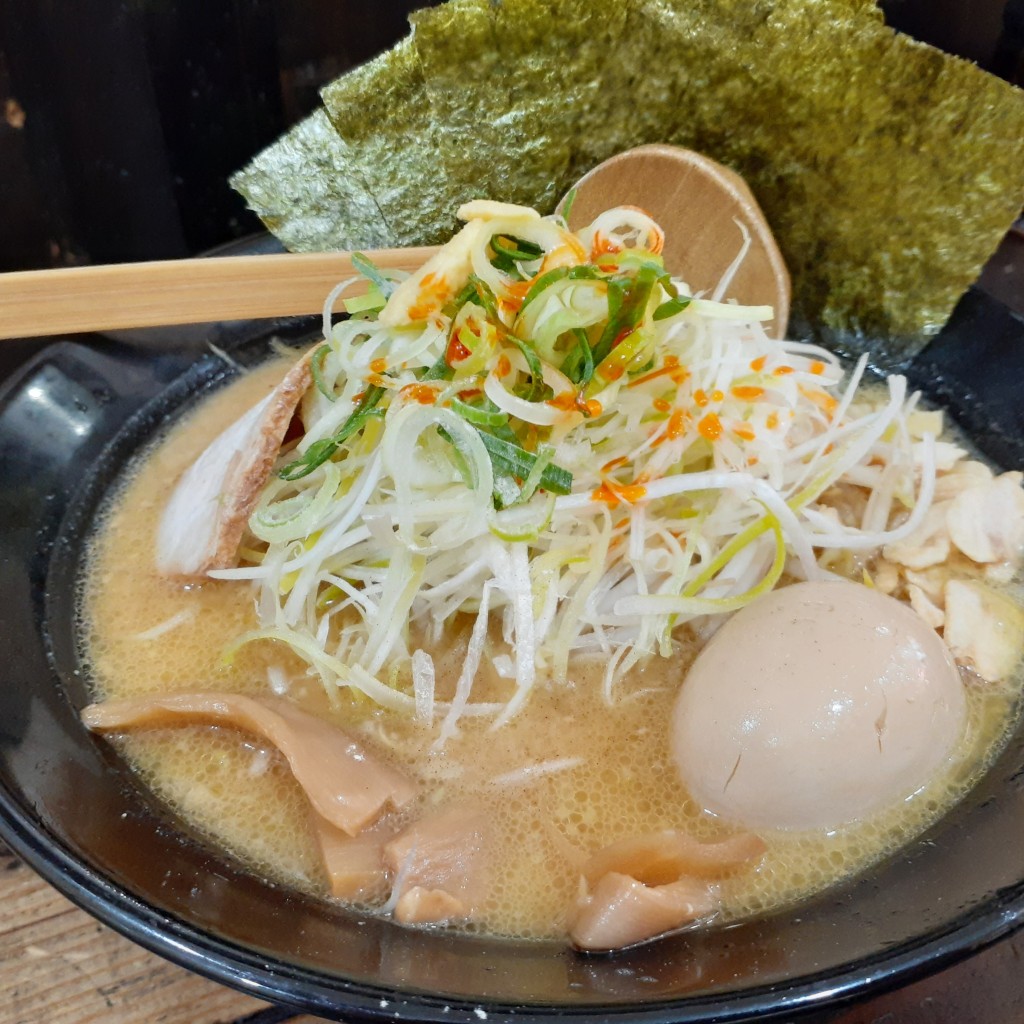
column 118, row 296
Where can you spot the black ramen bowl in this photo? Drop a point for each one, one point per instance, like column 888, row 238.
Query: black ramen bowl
column 71, row 419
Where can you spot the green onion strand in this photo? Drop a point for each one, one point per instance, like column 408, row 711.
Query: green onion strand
column 320, row 451
column 316, row 366
column 373, row 273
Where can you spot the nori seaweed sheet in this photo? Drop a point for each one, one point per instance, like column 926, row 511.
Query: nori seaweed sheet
column 302, row 189
column 499, row 81
column 888, row 170
column 382, row 113
column 915, row 172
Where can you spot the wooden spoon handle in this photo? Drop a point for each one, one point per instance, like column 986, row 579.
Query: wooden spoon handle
column 95, row 298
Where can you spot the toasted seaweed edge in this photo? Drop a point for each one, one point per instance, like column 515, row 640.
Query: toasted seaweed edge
column 890, row 245
column 305, row 193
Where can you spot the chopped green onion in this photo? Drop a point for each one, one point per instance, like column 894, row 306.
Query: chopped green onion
column 458, row 458
column 506, row 491
column 452, row 308
column 579, row 366
column 486, row 297
column 316, row 366
column 513, row 460
column 509, row 251
column 523, row 522
column 627, row 304
column 584, row 272
column 478, row 416
column 439, row 369
column 513, row 248
column 533, row 362
column 545, row 453
column 373, row 274
column 671, row 308
column 320, row 451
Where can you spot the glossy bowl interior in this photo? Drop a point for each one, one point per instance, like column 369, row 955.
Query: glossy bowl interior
column 71, row 419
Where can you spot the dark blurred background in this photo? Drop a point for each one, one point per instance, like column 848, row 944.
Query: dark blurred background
column 123, row 118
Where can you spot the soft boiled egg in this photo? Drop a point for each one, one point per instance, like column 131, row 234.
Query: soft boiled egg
column 815, row 706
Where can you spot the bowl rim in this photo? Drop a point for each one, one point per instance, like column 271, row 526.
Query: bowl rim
column 306, row 990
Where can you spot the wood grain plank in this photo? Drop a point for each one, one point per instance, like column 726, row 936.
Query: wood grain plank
column 60, row 966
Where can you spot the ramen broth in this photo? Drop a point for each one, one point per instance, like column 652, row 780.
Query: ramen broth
column 567, row 776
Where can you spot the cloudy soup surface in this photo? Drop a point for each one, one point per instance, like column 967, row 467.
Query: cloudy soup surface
column 568, row 775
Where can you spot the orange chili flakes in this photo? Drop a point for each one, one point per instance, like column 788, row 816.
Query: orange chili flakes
column 513, row 301
column 563, row 256
column 612, row 493
column 518, row 289
column 503, row 367
column 456, row 352
column 782, row 371
column 566, row 401
column 710, row 427
column 744, row 431
column 470, row 393
column 613, row 464
column 676, row 373
column 700, row 398
column 746, row 392
column 824, row 401
column 662, row 404
column 573, row 401
column 817, row 366
column 602, row 246
column 622, row 336
column 378, row 365
column 676, row 426
column 433, row 291
column 717, row 396
column 773, row 420
column 613, row 372
column 422, row 393
column 757, row 365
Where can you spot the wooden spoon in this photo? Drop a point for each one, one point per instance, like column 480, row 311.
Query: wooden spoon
column 700, row 204
column 694, row 199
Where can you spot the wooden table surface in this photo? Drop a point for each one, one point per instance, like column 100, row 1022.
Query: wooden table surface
column 60, row 966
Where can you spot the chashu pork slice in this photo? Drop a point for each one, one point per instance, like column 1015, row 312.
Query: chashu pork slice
column 344, row 782
column 205, row 518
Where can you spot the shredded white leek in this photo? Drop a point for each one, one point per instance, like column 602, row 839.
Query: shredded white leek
column 546, row 435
